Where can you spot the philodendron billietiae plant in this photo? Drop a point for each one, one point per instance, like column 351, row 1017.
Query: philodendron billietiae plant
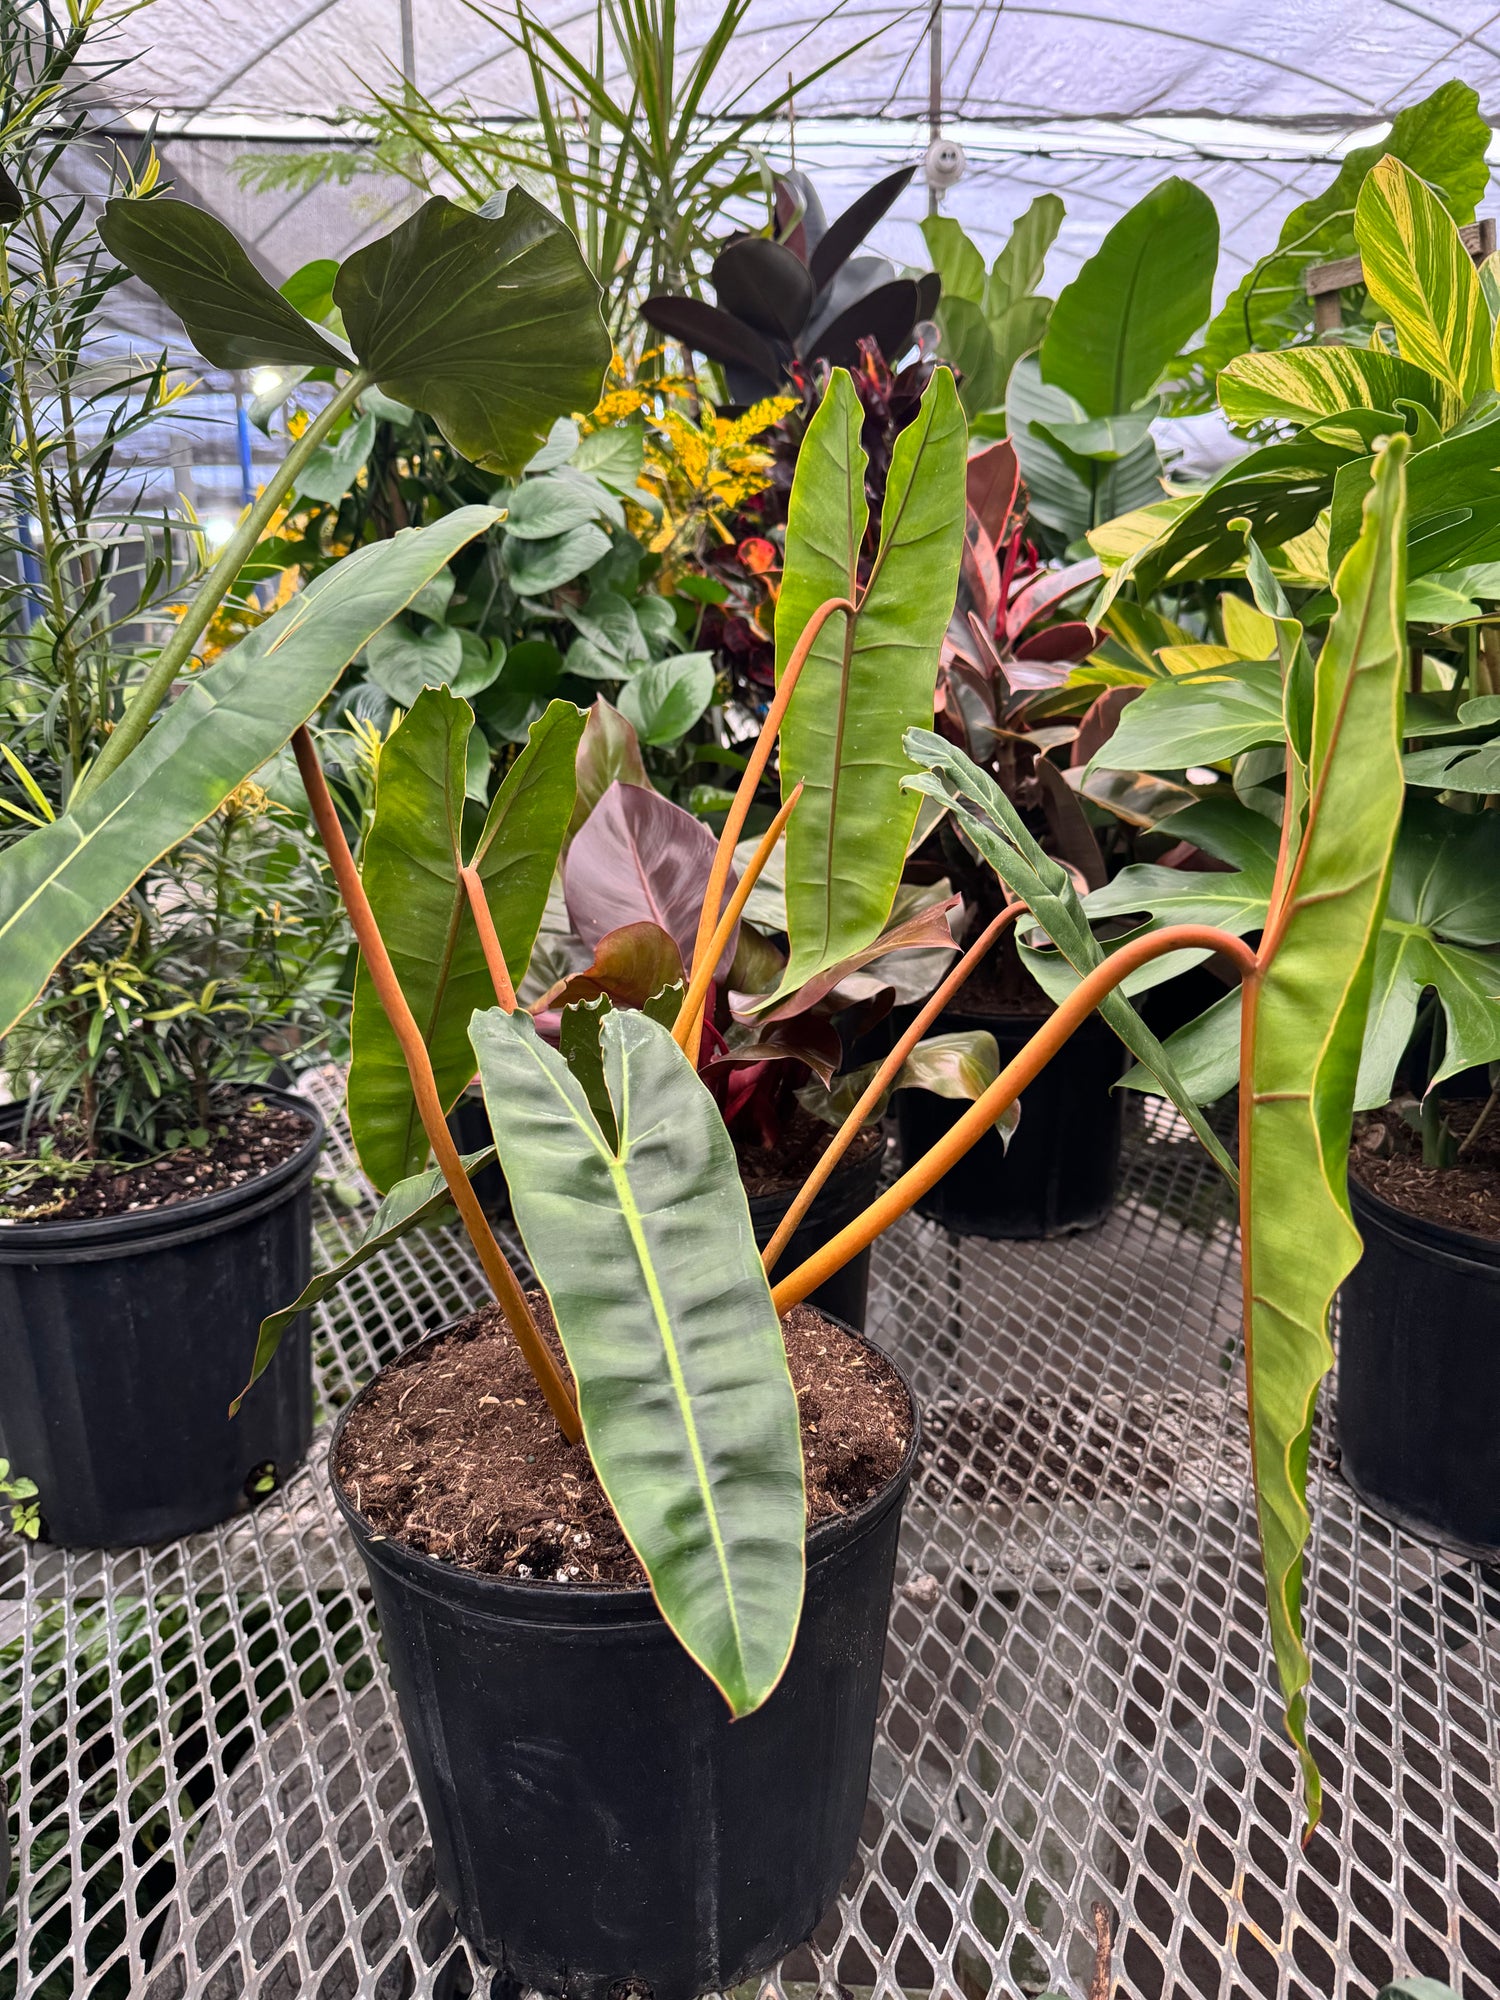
column 624, row 1184
column 488, row 322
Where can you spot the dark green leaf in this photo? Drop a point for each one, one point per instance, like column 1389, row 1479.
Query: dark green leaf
column 666, row 698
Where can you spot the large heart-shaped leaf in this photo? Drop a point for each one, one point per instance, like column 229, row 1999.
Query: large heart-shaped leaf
column 412, row 855
column 234, row 317
column 57, row 883
column 489, row 323
column 646, row 1252
column 1136, row 301
column 1423, row 280
column 868, row 678
column 537, row 567
column 640, row 859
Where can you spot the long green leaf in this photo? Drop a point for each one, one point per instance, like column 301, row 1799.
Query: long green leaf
column 423, row 1202
column 1174, row 725
column 1144, row 291
column 413, row 852
column 1298, row 1238
column 646, row 1252
column 489, row 323
column 1045, row 886
column 869, row 678
column 59, row 882
column 234, row 317
column 1420, row 275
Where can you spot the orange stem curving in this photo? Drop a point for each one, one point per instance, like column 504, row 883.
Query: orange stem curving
column 734, row 824
column 489, row 942
column 1002, row 1093
column 888, row 1070
column 688, row 1028
column 497, row 1269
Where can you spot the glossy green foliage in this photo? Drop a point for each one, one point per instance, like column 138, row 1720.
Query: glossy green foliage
column 60, row 881
column 423, row 1202
column 1197, row 719
column 1423, row 280
column 644, row 1246
column 412, row 855
column 1308, row 385
column 1299, row 1072
column 870, row 677
column 989, row 319
column 992, row 823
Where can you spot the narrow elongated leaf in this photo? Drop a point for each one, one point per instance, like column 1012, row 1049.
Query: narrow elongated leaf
column 1423, row 279
column 1304, row 384
column 412, row 855
column 234, row 317
column 870, row 677
column 1299, row 1242
column 1044, row 885
column 489, row 323
column 646, row 1252
column 62, row 880
column 423, row 1202
column 1145, row 290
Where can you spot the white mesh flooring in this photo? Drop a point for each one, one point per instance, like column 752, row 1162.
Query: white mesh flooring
column 210, row 1796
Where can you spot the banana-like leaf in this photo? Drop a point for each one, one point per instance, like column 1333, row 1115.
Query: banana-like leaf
column 645, row 1249
column 57, row 883
column 987, row 816
column 1304, row 385
column 870, row 677
column 234, row 317
column 489, row 323
column 412, row 855
column 1423, row 279
column 1299, row 1242
column 423, row 1202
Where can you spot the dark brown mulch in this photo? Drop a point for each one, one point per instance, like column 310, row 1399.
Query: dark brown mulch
column 454, row 1452
column 782, row 1168
column 244, row 1143
column 1386, row 1157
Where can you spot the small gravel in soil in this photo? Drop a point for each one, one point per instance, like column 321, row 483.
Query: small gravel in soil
column 1386, row 1157
column 243, row 1144
column 454, row 1452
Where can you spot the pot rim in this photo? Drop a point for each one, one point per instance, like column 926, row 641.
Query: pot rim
column 1422, row 1233
column 20, row 1241
column 588, row 1604
column 847, row 1184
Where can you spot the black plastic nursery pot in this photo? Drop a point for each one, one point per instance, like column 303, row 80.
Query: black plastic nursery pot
column 849, row 1190
column 124, row 1338
column 598, row 1823
column 1419, row 1375
column 469, row 1122
column 1062, row 1166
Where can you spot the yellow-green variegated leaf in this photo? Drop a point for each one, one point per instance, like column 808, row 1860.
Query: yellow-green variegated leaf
column 1421, row 277
column 1303, row 1056
column 1303, row 385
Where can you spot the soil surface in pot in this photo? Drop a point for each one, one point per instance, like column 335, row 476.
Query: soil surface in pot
column 246, row 1140
column 1386, row 1157
column 782, row 1168
column 454, row 1452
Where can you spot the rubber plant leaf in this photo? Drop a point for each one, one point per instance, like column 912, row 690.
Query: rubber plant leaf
column 646, row 1252
column 1297, row 1096
column 234, row 317
column 1137, row 300
column 489, row 323
column 423, row 1202
column 1423, row 280
column 1304, row 385
column 58, row 883
column 992, row 823
column 846, row 232
column 410, row 869
column 869, row 677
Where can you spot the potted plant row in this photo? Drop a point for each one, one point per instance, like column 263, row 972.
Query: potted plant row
column 1417, row 1368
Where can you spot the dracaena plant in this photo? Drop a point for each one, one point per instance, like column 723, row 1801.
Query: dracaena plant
column 494, row 361
column 622, row 1171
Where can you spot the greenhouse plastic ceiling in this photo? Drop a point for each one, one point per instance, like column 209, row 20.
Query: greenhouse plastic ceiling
column 1100, row 103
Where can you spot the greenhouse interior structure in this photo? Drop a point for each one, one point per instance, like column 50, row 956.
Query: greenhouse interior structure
column 764, row 739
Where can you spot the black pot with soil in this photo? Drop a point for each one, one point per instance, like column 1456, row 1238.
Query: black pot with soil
column 1062, row 1167
column 469, row 1123
column 848, row 1191
column 598, row 1823
column 1419, row 1357
column 124, row 1336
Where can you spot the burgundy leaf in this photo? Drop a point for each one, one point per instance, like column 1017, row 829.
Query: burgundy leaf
column 630, row 965
column 926, row 931
column 1070, row 641
column 885, row 315
column 640, row 859
column 808, row 1038
column 979, row 570
column 607, row 750
column 846, row 232
column 993, row 484
column 717, row 334
column 1038, row 597
column 765, row 285
column 1073, row 839
column 1100, row 722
